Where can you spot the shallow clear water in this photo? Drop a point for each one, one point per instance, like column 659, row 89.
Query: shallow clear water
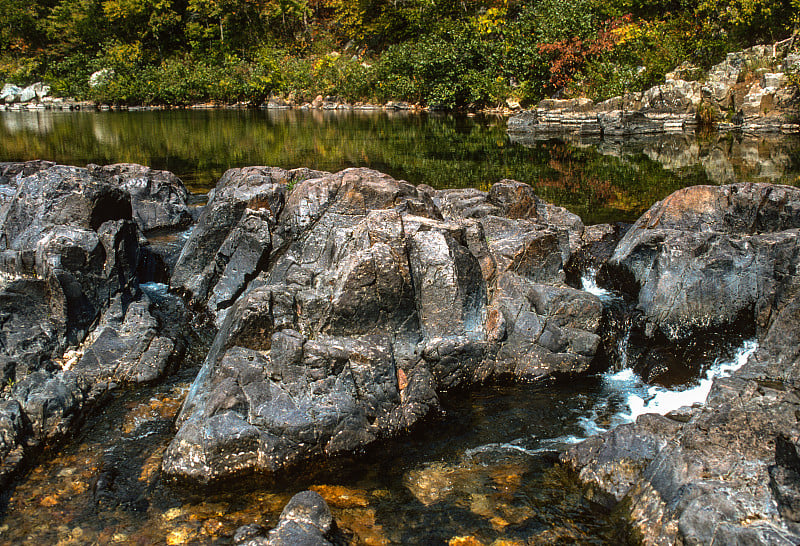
column 601, row 181
column 483, row 469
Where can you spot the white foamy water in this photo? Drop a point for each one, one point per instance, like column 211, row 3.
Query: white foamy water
column 641, row 398
column 589, row 284
column 621, row 398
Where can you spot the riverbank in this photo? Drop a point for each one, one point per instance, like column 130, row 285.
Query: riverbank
column 320, row 103
column 752, row 91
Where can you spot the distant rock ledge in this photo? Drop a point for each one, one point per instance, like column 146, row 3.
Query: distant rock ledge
column 749, row 91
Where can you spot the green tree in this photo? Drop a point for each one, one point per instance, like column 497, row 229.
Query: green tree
column 19, row 31
column 156, row 24
column 751, row 21
column 76, row 25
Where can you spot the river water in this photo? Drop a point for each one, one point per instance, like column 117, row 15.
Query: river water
column 600, row 181
column 485, row 470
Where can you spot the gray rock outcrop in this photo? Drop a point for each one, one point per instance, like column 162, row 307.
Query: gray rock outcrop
column 34, row 92
column 158, row 198
column 707, row 255
column 346, row 305
column 75, row 322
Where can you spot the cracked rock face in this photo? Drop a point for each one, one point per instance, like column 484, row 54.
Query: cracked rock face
column 67, row 243
column 69, row 251
column 158, row 198
column 706, row 256
column 345, row 305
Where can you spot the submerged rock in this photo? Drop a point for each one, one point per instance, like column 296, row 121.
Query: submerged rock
column 345, row 307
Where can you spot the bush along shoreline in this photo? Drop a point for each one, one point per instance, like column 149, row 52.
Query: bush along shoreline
column 755, row 90
column 439, row 54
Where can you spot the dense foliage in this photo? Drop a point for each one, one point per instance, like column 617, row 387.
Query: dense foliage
column 447, row 53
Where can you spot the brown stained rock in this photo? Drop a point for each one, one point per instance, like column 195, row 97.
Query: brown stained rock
column 363, row 303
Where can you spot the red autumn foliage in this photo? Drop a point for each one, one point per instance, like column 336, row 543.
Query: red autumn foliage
column 568, row 56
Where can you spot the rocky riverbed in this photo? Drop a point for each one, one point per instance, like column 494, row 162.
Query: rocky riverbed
column 340, row 308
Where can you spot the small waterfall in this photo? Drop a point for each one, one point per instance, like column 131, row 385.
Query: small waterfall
column 625, row 395
column 642, row 398
column 622, row 346
column 589, row 284
column 618, row 319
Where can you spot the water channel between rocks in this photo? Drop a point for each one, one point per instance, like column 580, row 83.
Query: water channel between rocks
column 486, row 467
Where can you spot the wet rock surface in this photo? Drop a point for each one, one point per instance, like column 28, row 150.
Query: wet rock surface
column 344, row 308
column 724, row 472
column 233, row 235
column 75, row 321
column 306, row 519
column 706, row 255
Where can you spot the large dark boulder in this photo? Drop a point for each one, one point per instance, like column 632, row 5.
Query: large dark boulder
column 70, row 246
column 158, row 198
column 345, row 305
column 706, row 255
column 75, row 321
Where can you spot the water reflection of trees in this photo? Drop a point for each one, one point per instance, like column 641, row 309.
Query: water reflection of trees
column 601, row 180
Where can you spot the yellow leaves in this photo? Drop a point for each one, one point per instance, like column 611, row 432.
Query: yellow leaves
column 119, row 54
column 122, row 9
column 491, row 22
column 637, row 30
column 742, row 13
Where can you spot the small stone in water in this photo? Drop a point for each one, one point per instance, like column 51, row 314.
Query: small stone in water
column 182, row 535
column 464, row 541
column 172, row 513
column 50, row 500
column 340, row 496
column 213, row 527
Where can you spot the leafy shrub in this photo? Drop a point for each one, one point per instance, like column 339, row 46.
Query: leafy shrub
column 450, row 70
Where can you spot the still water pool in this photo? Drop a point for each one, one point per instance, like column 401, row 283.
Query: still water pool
column 600, row 181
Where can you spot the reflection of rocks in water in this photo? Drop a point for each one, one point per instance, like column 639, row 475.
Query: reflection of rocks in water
column 39, row 123
column 723, row 158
